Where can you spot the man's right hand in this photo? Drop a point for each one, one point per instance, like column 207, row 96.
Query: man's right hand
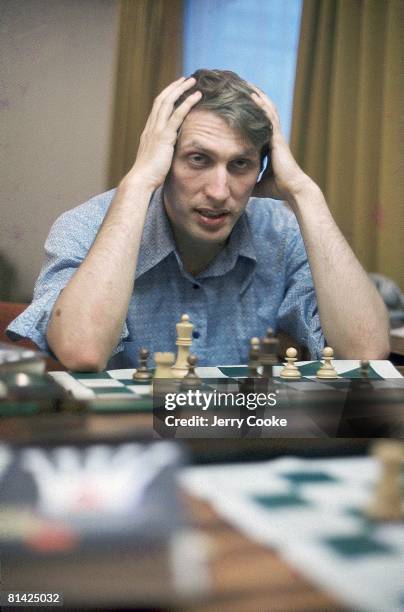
column 159, row 136
column 88, row 316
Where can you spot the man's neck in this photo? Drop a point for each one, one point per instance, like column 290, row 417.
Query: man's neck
column 197, row 258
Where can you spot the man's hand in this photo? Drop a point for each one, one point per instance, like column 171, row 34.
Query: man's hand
column 356, row 328
column 97, row 296
column 282, row 179
column 159, row 136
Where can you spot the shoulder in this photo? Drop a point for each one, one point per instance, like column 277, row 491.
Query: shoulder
column 270, row 217
column 83, row 220
column 92, row 211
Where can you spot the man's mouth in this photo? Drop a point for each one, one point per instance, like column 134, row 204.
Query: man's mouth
column 208, row 213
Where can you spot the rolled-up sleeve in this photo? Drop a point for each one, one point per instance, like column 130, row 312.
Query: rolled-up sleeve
column 298, row 313
column 65, row 248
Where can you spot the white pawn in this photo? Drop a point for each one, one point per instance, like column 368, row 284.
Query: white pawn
column 291, row 370
column 327, row 370
column 184, row 341
column 386, row 504
column 164, row 362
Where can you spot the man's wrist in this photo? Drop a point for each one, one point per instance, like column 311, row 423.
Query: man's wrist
column 304, row 193
column 134, row 183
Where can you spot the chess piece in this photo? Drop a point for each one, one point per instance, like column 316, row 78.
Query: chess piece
column 3, row 390
column 291, row 371
column 327, row 370
column 254, row 358
column 184, row 341
column 164, row 363
column 364, row 368
column 386, row 504
column 163, row 374
column 191, row 380
column 269, row 353
column 143, row 373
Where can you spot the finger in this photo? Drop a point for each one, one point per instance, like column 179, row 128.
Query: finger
column 171, row 93
column 169, row 88
column 256, row 88
column 262, row 96
column 183, row 109
column 167, row 104
column 268, row 107
column 158, row 101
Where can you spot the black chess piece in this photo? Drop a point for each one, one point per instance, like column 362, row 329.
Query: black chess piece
column 364, row 368
column 254, row 358
column 269, row 353
column 191, row 380
column 143, row 372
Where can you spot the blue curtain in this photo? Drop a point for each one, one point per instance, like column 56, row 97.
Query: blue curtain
column 258, row 39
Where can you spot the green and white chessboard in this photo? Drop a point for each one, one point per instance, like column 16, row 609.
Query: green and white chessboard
column 116, row 385
column 312, row 512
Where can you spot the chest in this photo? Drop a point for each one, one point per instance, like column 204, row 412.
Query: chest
column 226, row 312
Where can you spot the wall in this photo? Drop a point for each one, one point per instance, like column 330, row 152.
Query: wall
column 57, row 61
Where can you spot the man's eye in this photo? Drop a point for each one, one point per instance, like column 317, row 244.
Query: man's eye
column 197, row 160
column 240, row 164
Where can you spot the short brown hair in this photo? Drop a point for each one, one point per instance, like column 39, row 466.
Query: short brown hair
column 228, row 95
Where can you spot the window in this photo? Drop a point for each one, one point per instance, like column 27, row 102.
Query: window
column 258, row 39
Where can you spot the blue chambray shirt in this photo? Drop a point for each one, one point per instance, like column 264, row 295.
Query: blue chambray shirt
column 260, row 279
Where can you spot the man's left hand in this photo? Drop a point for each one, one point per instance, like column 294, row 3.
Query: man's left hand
column 282, row 179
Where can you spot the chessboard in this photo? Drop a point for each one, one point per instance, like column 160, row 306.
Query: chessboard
column 313, row 513
column 117, row 390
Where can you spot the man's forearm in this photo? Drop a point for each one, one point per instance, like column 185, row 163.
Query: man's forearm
column 352, row 313
column 88, row 316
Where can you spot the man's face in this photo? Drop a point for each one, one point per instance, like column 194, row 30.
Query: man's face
column 213, row 173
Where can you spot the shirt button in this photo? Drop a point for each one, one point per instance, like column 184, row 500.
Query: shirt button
column 195, row 334
column 195, row 286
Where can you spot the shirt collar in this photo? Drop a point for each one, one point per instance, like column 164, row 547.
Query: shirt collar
column 239, row 244
column 158, row 242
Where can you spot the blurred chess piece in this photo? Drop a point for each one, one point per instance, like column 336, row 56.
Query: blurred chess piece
column 184, row 341
column 364, row 368
column 3, row 390
column 387, row 504
column 269, row 353
column 254, row 358
column 327, row 370
column 291, row 371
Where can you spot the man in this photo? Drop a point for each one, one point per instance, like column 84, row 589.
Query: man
column 190, row 229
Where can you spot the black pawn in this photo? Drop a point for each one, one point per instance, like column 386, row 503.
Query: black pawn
column 254, row 358
column 191, row 380
column 365, row 368
column 143, row 373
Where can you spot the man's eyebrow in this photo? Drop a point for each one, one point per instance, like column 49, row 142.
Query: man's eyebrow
column 194, row 144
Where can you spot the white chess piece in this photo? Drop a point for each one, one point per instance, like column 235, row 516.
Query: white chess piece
column 184, row 341
column 290, row 370
column 386, row 504
column 164, row 363
column 327, row 370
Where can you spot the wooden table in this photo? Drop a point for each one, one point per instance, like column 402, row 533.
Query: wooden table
column 245, row 576
column 249, row 577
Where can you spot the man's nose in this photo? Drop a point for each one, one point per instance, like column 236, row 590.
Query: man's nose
column 217, row 186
